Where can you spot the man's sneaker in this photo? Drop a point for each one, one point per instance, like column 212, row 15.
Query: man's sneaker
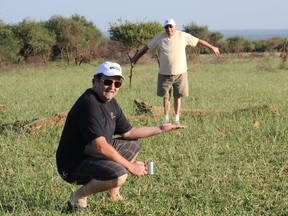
column 177, row 120
column 166, row 119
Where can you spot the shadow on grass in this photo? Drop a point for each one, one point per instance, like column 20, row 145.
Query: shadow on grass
column 13, row 126
column 6, row 208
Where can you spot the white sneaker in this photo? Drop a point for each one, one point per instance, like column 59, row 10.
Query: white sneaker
column 166, row 119
column 177, row 119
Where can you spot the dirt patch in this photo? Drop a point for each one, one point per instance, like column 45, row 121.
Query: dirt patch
column 145, row 110
column 48, row 122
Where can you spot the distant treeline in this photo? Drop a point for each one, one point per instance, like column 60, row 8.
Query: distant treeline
column 255, row 34
column 76, row 40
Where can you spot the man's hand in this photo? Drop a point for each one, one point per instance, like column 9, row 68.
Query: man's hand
column 138, row 169
column 169, row 127
column 216, row 50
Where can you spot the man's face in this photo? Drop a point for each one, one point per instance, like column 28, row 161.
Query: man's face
column 170, row 30
column 107, row 87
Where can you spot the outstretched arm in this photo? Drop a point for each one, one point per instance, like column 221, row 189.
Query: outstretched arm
column 206, row 44
column 135, row 58
column 144, row 131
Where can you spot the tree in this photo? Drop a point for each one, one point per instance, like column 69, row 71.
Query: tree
column 35, row 38
column 273, row 44
column 76, row 37
column 9, row 45
column 203, row 33
column 199, row 32
column 284, row 54
column 223, row 46
column 57, row 25
column 134, row 35
column 260, row 45
column 215, row 38
column 236, row 44
column 248, row 46
column 82, row 35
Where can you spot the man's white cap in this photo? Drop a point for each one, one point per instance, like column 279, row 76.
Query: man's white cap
column 169, row 22
column 110, row 69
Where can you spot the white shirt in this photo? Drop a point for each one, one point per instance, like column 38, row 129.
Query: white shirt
column 172, row 51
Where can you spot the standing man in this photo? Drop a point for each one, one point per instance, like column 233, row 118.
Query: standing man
column 88, row 153
column 173, row 65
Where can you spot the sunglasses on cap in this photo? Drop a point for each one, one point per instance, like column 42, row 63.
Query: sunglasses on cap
column 108, row 82
column 168, row 26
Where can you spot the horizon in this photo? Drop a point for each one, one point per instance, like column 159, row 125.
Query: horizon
column 219, row 15
column 179, row 28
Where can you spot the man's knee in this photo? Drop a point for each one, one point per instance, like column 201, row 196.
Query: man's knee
column 121, row 180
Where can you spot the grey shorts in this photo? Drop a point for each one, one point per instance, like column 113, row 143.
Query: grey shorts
column 100, row 168
column 177, row 83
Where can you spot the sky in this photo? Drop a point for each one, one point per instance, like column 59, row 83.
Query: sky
column 215, row 14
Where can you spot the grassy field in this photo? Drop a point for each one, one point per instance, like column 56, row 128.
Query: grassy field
column 231, row 160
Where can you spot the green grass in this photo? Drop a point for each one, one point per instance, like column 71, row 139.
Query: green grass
column 219, row 165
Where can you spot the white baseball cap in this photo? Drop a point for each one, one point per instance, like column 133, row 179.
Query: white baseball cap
column 110, row 69
column 169, row 22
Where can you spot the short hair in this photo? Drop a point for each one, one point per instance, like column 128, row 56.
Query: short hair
column 98, row 76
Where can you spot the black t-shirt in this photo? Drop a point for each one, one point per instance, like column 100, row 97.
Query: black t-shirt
column 88, row 119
